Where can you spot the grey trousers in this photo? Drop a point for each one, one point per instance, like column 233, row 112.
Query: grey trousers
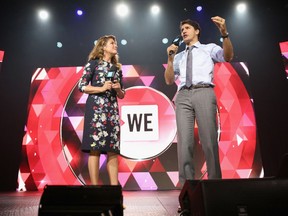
column 199, row 104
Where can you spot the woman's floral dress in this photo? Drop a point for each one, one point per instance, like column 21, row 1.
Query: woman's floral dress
column 101, row 120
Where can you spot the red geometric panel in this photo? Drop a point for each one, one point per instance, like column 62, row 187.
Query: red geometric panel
column 1, row 58
column 53, row 134
column 237, row 122
column 1, row 55
column 284, row 52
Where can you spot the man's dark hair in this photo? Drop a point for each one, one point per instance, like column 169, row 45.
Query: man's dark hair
column 193, row 23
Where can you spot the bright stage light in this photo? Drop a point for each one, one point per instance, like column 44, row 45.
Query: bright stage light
column 43, row 14
column 79, row 12
column 164, row 40
column 122, row 10
column 155, row 9
column 199, row 8
column 123, row 42
column 59, row 44
column 241, row 7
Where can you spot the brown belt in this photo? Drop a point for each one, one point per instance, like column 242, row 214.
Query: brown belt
column 196, row 86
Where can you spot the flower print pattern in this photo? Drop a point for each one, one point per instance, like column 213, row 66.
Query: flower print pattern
column 101, row 120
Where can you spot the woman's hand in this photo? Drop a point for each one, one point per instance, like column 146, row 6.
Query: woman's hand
column 107, row 85
column 116, row 86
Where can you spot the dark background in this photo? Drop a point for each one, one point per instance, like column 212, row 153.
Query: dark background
column 29, row 44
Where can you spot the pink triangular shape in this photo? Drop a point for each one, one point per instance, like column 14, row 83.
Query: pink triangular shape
column 76, row 121
column 225, row 164
column 174, row 176
column 147, row 80
column 83, row 99
column 37, row 108
column 129, row 71
column 244, row 173
column 123, row 177
column 145, row 181
column 42, row 75
column 246, row 121
column 25, row 176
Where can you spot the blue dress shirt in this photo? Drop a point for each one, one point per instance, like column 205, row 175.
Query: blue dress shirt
column 204, row 58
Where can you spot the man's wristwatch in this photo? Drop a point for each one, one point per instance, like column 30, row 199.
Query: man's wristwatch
column 225, row 36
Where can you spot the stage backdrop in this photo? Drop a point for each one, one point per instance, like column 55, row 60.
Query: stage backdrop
column 284, row 52
column 148, row 161
column 1, row 58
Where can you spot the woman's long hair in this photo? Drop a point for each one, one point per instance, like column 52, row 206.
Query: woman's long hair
column 98, row 50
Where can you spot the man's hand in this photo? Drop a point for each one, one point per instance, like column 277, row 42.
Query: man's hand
column 172, row 48
column 221, row 24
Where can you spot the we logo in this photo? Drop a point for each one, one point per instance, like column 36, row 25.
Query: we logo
column 140, row 123
column 148, row 125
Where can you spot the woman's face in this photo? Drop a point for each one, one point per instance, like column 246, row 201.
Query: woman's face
column 111, row 47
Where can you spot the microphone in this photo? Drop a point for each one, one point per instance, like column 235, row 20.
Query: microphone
column 177, row 42
column 111, row 73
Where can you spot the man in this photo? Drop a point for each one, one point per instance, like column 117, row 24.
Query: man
column 196, row 98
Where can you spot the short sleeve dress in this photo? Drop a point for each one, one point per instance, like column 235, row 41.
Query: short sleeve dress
column 101, row 120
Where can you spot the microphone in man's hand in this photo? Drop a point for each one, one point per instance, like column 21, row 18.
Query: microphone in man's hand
column 177, row 42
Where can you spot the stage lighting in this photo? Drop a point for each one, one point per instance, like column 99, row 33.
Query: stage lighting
column 79, row 12
column 59, row 44
column 43, row 14
column 164, row 40
column 123, row 42
column 122, row 10
column 155, row 9
column 199, row 8
column 241, row 8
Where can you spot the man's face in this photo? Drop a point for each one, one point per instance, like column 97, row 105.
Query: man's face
column 189, row 33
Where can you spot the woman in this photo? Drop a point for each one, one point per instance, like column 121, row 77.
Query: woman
column 102, row 80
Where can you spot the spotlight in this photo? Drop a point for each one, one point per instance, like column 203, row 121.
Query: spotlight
column 241, row 8
column 123, row 42
column 164, row 40
column 43, row 14
column 155, row 9
column 79, row 12
column 199, row 8
column 59, row 44
column 122, row 10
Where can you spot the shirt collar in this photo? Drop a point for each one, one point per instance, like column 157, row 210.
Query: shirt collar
column 197, row 44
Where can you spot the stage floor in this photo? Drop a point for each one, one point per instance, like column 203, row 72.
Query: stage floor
column 137, row 203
